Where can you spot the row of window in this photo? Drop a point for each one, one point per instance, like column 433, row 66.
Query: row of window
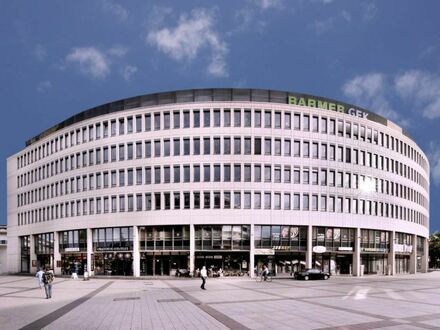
column 220, row 237
column 271, row 147
column 221, row 118
column 221, row 173
column 221, row 200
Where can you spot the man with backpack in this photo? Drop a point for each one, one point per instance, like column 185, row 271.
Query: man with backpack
column 47, row 281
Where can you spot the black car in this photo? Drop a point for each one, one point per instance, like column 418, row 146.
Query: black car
column 312, row 274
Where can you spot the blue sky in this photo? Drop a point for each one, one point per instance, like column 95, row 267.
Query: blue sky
column 62, row 57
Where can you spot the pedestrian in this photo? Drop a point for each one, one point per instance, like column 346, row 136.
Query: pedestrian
column 39, row 276
column 203, row 275
column 47, row 280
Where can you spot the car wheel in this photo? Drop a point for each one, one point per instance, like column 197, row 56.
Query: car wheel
column 306, row 278
column 325, row 277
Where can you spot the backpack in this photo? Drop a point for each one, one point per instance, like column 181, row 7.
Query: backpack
column 47, row 278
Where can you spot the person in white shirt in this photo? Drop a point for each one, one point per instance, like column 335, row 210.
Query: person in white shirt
column 39, row 275
column 203, row 275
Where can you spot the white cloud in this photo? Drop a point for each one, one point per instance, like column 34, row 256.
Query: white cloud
column 92, row 62
column 323, row 25
column 43, row 86
column 434, row 161
column 422, row 89
column 118, row 51
column 192, row 34
column 128, row 71
column 115, row 9
column 371, row 91
column 40, row 52
column 370, row 11
column 267, row 4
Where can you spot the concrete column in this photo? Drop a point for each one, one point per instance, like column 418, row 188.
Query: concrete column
column 89, row 251
column 425, row 255
column 136, row 253
column 192, row 248
column 252, row 252
column 309, row 254
column 413, row 256
column 56, row 253
column 392, row 255
column 33, row 256
column 356, row 264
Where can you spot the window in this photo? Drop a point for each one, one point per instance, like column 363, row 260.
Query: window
column 176, row 173
column 257, row 200
column 267, row 119
column 226, row 117
column 237, row 146
column 216, row 117
column 206, row 118
column 306, row 122
column 206, row 173
column 148, row 122
column 267, row 173
column 226, row 145
column 247, row 146
column 226, row 173
column 196, row 118
column 196, row 174
column 286, row 201
column 257, row 118
column 176, row 147
column 277, row 119
column 267, row 146
column 314, row 124
column 287, row 147
column 267, row 201
column 147, row 149
column 186, row 173
column 237, row 200
column 296, row 148
column 237, row 117
column 237, row 173
column 277, row 147
column 176, row 119
column 157, row 121
column 166, row 120
column 247, row 200
column 247, row 118
column 186, row 119
column 186, row 146
column 147, row 175
column 196, row 146
column 257, row 146
column 206, row 146
column 306, row 148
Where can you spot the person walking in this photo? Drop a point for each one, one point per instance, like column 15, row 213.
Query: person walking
column 47, row 280
column 39, row 276
column 203, row 275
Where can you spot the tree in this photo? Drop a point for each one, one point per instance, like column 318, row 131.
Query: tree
column 434, row 250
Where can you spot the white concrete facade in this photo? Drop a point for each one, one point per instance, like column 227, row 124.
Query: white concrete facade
column 378, row 181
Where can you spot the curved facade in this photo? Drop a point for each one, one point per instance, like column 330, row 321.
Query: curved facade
column 227, row 178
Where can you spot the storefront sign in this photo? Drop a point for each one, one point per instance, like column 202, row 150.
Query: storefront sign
column 71, row 250
column 345, row 248
column 326, row 105
column 319, row 249
column 266, row 252
column 281, row 247
column 403, row 248
column 125, row 248
column 381, row 250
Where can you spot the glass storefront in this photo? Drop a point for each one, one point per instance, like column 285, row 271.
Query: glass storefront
column 403, row 248
column 420, row 252
column 25, row 252
column 375, row 245
column 113, row 249
column 44, row 248
column 333, row 249
column 222, row 249
column 73, row 250
column 281, row 248
column 164, row 250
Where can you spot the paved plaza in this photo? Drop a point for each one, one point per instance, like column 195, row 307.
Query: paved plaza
column 370, row 302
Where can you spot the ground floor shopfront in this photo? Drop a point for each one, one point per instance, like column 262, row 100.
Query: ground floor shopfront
column 228, row 250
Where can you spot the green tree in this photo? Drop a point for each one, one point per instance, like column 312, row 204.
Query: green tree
column 434, row 250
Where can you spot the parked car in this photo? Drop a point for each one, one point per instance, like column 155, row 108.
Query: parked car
column 312, row 274
column 182, row 272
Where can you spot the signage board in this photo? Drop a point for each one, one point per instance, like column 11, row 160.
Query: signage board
column 71, row 249
column 266, row 252
column 319, row 249
column 403, row 248
column 345, row 248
